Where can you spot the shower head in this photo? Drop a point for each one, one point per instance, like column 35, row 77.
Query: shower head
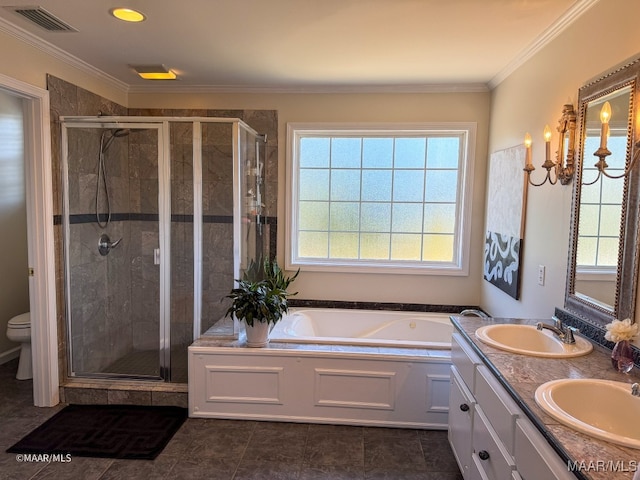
column 116, row 133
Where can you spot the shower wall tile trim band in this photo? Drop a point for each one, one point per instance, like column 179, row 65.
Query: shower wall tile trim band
column 152, row 217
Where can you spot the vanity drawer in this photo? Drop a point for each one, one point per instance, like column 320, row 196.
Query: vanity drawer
column 501, row 410
column 535, row 458
column 489, row 454
column 464, row 359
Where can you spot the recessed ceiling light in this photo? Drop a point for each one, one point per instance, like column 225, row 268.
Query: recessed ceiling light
column 154, row 72
column 127, row 14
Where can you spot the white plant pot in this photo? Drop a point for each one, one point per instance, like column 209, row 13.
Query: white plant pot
column 258, row 335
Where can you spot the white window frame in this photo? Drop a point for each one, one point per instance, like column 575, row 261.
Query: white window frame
column 460, row 264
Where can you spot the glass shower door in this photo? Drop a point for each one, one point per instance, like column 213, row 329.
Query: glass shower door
column 115, row 229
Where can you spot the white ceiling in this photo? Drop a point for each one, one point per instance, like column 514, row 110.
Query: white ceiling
column 298, row 45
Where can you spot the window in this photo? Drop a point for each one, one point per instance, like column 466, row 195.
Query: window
column 601, row 209
column 388, row 199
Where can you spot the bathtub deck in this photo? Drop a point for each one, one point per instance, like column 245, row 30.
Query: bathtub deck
column 315, row 383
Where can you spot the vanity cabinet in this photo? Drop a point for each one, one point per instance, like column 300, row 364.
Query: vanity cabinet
column 490, row 435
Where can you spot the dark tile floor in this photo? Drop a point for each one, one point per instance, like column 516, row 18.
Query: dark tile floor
column 237, row 450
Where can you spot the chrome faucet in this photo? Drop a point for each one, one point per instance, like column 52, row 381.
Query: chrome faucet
column 635, row 390
column 564, row 333
column 474, row 312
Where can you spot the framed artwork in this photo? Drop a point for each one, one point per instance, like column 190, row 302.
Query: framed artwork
column 506, row 204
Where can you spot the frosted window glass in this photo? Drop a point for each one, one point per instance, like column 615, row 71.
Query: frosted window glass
column 410, row 152
column 406, row 247
column 345, row 153
column 379, row 197
column 376, row 185
column 608, row 252
column 437, row 248
column 612, row 189
column 441, row 186
column 443, row 152
column 408, row 185
column 314, row 184
column 407, row 218
column 313, row 244
column 377, row 153
column 313, row 216
column 314, row 152
column 610, row 220
column 345, row 184
column 587, row 248
column 345, row 217
column 590, row 193
column 617, row 145
column 589, row 219
column 439, row 218
column 374, row 246
column 375, row 217
column 344, row 245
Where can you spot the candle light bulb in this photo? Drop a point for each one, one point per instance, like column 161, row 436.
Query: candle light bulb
column 605, row 116
column 605, row 113
column 527, row 140
column 547, row 133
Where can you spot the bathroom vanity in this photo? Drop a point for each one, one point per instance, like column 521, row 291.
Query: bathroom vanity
column 497, row 431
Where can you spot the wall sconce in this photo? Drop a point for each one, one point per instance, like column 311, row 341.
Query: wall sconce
column 562, row 170
column 603, row 152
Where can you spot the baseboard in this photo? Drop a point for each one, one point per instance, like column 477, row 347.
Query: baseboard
column 9, row 355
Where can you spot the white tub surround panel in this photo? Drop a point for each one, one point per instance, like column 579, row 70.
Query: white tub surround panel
column 303, row 384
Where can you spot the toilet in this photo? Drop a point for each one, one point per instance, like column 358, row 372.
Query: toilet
column 19, row 330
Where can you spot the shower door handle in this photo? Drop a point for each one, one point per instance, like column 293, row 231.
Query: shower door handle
column 156, row 256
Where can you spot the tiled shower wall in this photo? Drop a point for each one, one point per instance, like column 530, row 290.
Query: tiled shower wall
column 134, row 190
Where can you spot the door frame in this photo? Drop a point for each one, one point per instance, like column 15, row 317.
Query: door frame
column 40, row 238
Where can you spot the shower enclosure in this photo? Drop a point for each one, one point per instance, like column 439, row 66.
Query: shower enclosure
column 161, row 214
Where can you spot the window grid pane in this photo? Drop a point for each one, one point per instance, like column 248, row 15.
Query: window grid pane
column 368, row 198
column 600, row 208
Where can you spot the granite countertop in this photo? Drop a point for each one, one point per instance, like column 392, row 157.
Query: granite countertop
column 521, row 375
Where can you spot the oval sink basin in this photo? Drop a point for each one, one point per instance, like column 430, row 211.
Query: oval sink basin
column 603, row 409
column 528, row 340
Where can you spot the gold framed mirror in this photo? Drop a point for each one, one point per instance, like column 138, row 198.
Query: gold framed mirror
column 603, row 262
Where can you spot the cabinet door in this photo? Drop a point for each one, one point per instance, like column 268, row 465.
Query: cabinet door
column 489, row 453
column 461, row 405
column 535, row 458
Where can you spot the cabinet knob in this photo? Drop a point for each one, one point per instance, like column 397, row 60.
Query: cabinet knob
column 483, row 454
column 464, row 407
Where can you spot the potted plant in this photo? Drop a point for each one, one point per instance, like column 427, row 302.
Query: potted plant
column 260, row 299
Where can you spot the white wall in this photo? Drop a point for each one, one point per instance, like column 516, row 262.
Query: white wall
column 14, row 286
column 531, row 97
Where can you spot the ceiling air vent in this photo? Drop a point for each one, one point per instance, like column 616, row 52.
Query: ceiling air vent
column 43, row 19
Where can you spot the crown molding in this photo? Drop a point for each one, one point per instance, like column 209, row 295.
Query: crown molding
column 318, row 89
column 560, row 25
column 59, row 54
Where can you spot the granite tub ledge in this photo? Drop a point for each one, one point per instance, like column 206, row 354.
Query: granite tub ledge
column 521, row 375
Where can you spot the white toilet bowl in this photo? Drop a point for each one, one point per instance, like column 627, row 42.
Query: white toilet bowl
column 19, row 330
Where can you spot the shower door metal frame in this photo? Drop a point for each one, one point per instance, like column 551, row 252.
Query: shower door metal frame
column 164, row 235
column 164, row 228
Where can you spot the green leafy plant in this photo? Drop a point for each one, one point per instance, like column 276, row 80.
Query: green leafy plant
column 261, row 295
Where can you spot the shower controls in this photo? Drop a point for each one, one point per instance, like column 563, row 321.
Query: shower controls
column 105, row 244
